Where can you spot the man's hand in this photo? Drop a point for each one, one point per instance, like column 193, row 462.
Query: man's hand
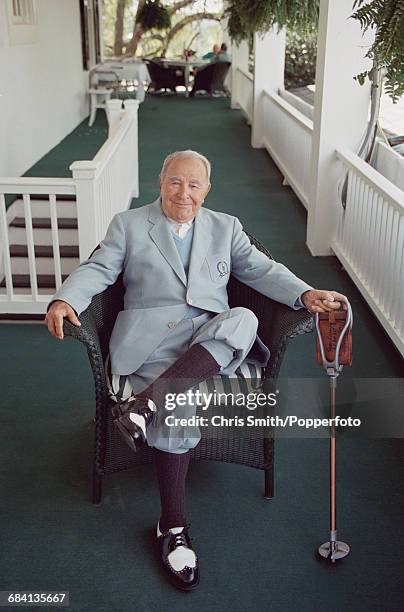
column 321, row 300
column 54, row 318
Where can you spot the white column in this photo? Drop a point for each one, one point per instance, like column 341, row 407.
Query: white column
column 239, row 59
column 84, row 177
column 269, row 68
column 341, row 109
column 226, row 39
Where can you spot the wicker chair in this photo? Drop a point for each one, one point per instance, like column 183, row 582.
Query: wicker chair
column 211, row 78
column 164, row 77
column 277, row 324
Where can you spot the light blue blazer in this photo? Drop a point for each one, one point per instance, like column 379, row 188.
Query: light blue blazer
column 140, row 244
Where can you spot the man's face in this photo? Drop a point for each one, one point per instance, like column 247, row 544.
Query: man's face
column 183, row 188
column 216, row 49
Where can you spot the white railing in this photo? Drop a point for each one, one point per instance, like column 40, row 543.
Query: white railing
column 243, row 91
column 32, row 302
column 301, row 105
column 370, row 242
column 288, row 138
column 106, row 184
column 389, row 163
column 101, row 188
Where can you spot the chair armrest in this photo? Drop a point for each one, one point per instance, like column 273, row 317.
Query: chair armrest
column 286, row 324
column 87, row 334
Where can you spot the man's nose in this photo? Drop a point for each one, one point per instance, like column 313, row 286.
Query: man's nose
column 184, row 190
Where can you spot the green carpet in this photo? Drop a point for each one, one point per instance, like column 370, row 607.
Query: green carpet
column 255, row 554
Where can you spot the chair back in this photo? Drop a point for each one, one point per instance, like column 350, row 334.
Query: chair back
column 219, row 75
column 204, row 78
column 212, row 77
column 165, row 76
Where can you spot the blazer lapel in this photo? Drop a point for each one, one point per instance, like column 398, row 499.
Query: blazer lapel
column 161, row 235
column 200, row 245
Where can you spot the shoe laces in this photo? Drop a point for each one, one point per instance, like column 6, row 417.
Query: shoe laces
column 147, row 413
column 180, row 540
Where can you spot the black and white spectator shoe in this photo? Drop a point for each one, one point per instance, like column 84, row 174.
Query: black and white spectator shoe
column 178, row 558
column 132, row 419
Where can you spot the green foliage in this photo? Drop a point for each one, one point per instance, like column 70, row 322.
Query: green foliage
column 249, row 16
column 300, row 59
column 154, row 15
column 387, row 51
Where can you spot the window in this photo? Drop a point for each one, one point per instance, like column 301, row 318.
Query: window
column 23, row 12
column 90, row 33
column 22, row 22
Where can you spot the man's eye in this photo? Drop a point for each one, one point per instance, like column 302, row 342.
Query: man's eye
column 194, row 186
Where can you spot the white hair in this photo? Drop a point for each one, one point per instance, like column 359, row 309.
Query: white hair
column 186, row 153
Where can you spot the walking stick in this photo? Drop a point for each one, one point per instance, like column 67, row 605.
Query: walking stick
column 334, row 350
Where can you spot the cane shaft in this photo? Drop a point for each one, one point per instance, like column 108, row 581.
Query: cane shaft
column 333, row 459
column 334, row 350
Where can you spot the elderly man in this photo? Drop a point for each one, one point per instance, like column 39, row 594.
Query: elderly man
column 222, row 56
column 176, row 325
column 212, row 54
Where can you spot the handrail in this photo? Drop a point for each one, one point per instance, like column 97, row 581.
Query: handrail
column 293, row 112
column 245, row 73
column 111, row 144
column 390, row 192
column 36, row 185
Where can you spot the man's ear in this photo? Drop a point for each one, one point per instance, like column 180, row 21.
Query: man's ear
column 208, row 189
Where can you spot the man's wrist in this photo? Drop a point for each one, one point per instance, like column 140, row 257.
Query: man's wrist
column 299, row 303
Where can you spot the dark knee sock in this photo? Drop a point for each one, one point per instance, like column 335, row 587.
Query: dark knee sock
column 171, row 473
column 194, row 366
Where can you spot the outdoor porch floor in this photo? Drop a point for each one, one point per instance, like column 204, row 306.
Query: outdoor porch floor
column 255, row 554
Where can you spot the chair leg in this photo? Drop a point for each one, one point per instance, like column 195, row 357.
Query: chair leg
column 93, row 109
column 97, row 487
column 269, row 483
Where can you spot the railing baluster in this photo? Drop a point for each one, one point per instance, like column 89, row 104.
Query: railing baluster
column 345, row 214
column 370, row 255
column 400, row 280
column 364, row 224
column 351, row 210
column 393, row 291
column 5, row 255
column 55, row 241
column 30, row 246
column 385, row 257
column 358, row 237
column 379, row 229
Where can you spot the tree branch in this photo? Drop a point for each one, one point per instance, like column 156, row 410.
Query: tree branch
column 179, row 5
column 137, row 31
column 188, row 19
column 119, row 19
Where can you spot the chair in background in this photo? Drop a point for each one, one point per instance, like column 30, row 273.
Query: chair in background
column 211, row 78
column 102, row 86
column 99, row 97
column 277, row 325
column 164, row 77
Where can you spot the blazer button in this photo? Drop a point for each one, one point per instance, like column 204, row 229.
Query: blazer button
column 190, row 302
column 172, row 324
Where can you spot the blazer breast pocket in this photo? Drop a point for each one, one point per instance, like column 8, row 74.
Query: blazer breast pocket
column 219, row 268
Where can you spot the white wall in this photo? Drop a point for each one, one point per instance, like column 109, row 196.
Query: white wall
column 42, row 85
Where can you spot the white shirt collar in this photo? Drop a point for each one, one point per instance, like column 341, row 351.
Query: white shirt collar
column 181, row 229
